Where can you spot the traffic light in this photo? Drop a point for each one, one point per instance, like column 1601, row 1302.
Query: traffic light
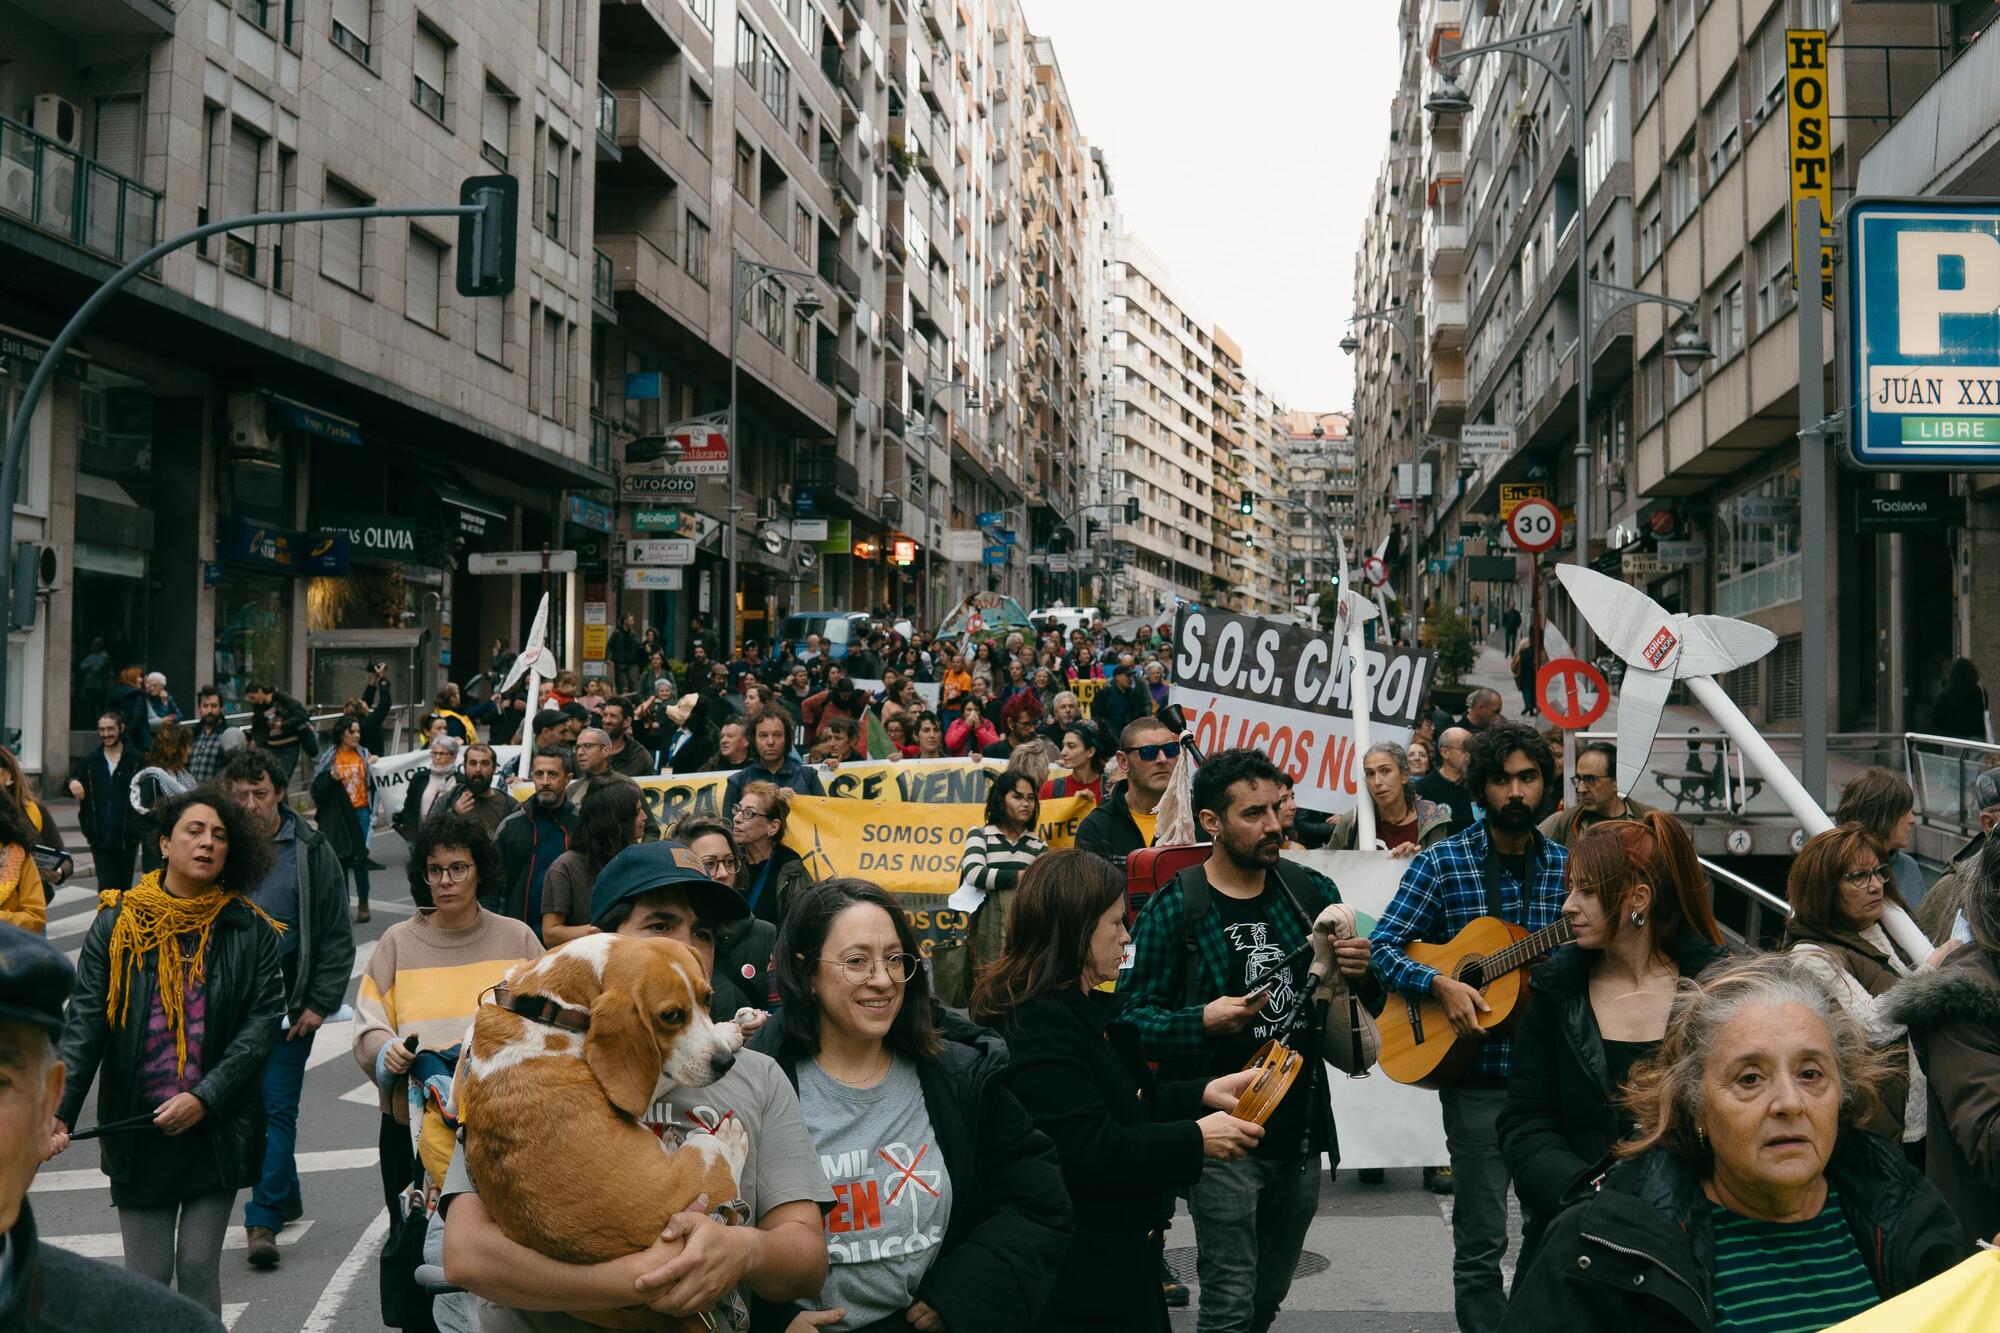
column 486, row 238
column 1246, row 504
column 1131, row 509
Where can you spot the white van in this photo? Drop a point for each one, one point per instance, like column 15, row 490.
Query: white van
column 1064, row 619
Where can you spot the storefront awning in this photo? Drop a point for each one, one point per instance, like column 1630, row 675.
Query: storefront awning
column 314, row 421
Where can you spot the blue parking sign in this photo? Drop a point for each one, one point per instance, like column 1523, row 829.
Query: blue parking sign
column 1922, row 329
column 996, row 555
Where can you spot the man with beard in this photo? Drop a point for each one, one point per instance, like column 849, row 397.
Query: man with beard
column 477, row 798
column 1501, row 867
column 214, row 739
column 1445, row 784
column 626, row 755
column 1199, row 944
column 532, row 838
column 773, row 763
column 1063, row 710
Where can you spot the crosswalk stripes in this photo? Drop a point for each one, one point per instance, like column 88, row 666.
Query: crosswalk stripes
column 310, row 1163
column 110, row 1245
column 326, row 1310
column 231, row 1312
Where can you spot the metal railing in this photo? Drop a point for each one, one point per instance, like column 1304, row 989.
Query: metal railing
column 1942, row 769
column 607, row 114
column 63, row 192
column 603, row 274
column 1762, row 915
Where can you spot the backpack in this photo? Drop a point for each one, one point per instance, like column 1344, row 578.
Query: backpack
column 1194, row 906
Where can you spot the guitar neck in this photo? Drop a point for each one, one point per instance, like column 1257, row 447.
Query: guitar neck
column 1529, row 948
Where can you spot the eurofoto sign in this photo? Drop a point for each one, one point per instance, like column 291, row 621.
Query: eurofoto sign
column 1922, row 329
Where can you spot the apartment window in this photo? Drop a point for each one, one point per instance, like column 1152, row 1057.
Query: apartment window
column 552, row 188
column 703, row 10
column 554, row 368
column 1722, row 126
column 1649, row 231
column 746, row 169
column 1819, row 14
column 496, row 123
column 423, row 279
column 1683, row 183
column 695, row 257
column 240, row 195
column 1646, row 72
column 427, row 63
column 746, row 50
column 803, row 128
column 352, row 29
column 802, row 232
column 342, row 243
column 559, row 26
column 1767, row 67
column 775, row 81
column 1725, row 319
column 701, row 118
column 1772, row 252
column 489, row 327
column 288, row 200
column 1677, row 20
column 256, row 11
column 117, row 137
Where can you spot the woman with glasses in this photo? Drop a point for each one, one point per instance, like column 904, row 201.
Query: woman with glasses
column 1637, row 904
column 950, row 1211
column 1126, row 1142
column 770, row 874
column 1853, row 928
column 427, row 973
column 612, row 818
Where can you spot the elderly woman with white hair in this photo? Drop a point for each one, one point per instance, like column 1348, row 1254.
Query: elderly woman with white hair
column 1749, row 1196
column 160, row 706
column 430, row 788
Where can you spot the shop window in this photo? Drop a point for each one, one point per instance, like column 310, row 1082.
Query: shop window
column 1757, row 561
column 253, row 632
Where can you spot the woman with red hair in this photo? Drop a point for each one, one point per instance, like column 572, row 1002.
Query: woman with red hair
column 1638, row 910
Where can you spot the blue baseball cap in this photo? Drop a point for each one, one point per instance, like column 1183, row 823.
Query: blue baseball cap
column 665, row 864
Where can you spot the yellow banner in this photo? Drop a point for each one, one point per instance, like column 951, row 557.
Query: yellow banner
column 920, row 781
column 1085, row 691
column 1808, row 96
column 903, row 846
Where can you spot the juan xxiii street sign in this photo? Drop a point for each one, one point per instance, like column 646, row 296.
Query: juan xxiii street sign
column 1922, row 329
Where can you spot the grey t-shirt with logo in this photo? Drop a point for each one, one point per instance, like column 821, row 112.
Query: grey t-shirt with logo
column 892, row 1195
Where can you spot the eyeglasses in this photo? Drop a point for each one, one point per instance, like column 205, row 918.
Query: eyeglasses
column 1586, row 780
column 749, row 812
column 858, row 968
column 720, row 865
column 455, row 873
column 1859, row 877
column 1148, row 753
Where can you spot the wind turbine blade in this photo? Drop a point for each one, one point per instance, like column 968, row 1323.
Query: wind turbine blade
column 531, row 647
column 1554, row 645
column 1641, row 700
column 1716, row 644
column 1634, row 626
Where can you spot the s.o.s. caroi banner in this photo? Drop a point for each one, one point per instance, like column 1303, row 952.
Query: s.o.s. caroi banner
column 912, row 849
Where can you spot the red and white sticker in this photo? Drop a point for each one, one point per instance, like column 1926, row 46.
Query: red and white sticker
column 1661, row 647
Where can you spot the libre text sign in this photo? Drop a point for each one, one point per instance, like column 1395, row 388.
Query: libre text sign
column 1283, row 689
column 1923, row 334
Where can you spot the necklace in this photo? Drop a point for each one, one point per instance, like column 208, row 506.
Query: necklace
column 866, row 1080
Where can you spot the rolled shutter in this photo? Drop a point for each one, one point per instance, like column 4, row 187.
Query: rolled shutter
column 353, row 16
column 424, row 273
column 493, row 120
column 340, row 241
column 118, row 134
column 430, row 58
column 245, row 151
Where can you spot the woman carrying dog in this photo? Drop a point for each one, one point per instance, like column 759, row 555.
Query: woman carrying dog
column 928, row 1148
column 1125, row 1141
column 177, row 1004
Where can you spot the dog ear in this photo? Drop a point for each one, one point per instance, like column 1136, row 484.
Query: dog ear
column 621, row 1051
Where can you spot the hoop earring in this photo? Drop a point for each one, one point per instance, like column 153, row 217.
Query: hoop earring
column 1638, row 918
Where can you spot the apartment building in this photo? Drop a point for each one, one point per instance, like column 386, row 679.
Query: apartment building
column 1320, row 483
column 273, row 454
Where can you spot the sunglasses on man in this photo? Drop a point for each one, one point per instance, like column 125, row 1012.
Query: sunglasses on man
column 1148, row 753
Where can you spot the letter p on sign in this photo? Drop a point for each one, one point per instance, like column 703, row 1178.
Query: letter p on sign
column 1924, row 260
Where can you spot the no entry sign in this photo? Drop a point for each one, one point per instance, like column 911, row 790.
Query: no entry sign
column 1572, row 693
column 1535, row 525
column 1376, row 571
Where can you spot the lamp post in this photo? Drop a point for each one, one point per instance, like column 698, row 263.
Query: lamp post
column 745, row 277
column 1403, row 320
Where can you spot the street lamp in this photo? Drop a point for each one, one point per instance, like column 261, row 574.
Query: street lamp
column 745, row 277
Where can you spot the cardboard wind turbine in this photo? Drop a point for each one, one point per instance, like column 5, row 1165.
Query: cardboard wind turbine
column 1354, row 608
column 537, row 663
column 1660, row 647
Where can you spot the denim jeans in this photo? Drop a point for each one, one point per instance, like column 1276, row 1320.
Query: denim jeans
column 1478, row 1205
column 284, row 1079
column 1250, row 1219
column 360, row 863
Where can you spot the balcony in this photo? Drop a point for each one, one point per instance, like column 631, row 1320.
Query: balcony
column 1444, row 163
column 99, row 20
column 603, row 288
column 846, row 279
column 894, row 332
column 846, row 377
column 1444, row 319
column 1444, row 245
column 851, row 183
column 607, row 124
column 652, row 147
column 893, row 419
column 850, row 88
column 66, row 194
column 648, row 269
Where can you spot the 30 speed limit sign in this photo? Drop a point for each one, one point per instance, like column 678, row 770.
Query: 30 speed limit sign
column 1535, row 525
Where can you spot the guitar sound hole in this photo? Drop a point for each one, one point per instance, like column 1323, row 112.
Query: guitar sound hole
column 1473, row 973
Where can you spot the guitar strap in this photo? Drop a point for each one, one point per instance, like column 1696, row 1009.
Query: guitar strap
column 1495, row 880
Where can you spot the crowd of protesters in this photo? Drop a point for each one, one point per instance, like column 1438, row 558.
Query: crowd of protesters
column 1073, row 1069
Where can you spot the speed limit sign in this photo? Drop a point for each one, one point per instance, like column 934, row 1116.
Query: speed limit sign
column 1535, row 525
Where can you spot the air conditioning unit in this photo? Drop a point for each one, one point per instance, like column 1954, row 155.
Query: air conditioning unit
column 17, row 187
column 247, row 429
column 58, row 119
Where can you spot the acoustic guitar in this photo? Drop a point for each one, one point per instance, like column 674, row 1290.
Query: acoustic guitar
column 1419, row 1045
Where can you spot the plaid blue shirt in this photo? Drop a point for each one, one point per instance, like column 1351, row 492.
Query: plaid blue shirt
column 1441, row 892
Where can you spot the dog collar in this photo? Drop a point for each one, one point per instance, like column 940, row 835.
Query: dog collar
column 542, row 1009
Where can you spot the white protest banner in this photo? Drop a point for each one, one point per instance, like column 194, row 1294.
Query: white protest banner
column 1381, row 1122
column 1282, row 689
column 392, row 774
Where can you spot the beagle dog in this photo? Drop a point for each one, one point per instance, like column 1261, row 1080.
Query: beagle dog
column 560, row 1065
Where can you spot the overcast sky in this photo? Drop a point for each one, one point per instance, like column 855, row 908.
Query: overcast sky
column 1243, row 140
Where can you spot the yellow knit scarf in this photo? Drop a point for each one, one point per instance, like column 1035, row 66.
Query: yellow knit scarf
column 153, row 921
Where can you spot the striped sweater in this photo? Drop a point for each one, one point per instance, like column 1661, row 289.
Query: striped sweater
column 426, row 981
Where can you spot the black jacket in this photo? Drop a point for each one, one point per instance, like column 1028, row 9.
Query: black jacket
column 405, row 820
column 1124, row 1140
column 280, row 722
column 1109, row 830
column 1559, row 1124
column 120, row 825
column 519, row 832
column 1640, row 1253
column 246, row 998
column 378, row 697
column 1010, row 1215
column 1113, row 708
column 325, row 935
column 51, row 1290
column 1441, row 790
column 1953, row 1014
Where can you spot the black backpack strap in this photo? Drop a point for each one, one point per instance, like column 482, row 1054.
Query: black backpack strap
column 1194, row 906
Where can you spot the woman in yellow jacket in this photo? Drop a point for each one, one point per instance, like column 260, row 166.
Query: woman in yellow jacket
column 23, row 901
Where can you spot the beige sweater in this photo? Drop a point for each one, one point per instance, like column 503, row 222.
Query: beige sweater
column 426, row 982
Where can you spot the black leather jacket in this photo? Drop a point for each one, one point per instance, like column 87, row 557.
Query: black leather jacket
column 246, row 1000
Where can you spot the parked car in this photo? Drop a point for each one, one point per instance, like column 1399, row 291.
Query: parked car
column 838, row 630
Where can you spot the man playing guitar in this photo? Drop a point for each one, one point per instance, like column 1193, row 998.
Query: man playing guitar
column 1501, row 867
